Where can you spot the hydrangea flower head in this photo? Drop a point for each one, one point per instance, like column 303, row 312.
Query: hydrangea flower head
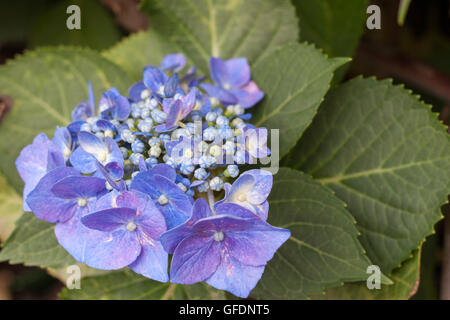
column 228, row 250
column 125, row 182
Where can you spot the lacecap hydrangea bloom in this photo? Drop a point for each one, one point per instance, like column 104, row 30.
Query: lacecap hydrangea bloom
column 134, row 179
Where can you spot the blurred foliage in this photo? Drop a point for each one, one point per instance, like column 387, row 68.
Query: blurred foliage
column 43, row 22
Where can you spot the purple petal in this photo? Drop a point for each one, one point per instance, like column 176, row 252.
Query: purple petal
column 78, row 187
column 109, row 219
column 224, row 222
column 249, row 95
column 263, row 181
column 100, row 250
column 195, row 259
column 235, row 277
column 164, row 170
column 154, row 78
column 63, row 140
column 174, row 62
column 257, row 245
column 113, row 152
column 218, row 70
column 215, row 91
column 123, row 108
column 174, row 114
column 135, row 91
column 44, row 204
column 173, row 237
column 92, row 144
column 238, row 73
column 35, row 160
column 189, row 102
column 171, row 86
column 152, row 262
column 83, row 161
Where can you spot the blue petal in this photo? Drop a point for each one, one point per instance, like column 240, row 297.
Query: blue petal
column 224, row 96
column 109, row 219
column 174, row 62
column 152, row 262
column 164, row 170
column 35, row 161
column 83, row 161
column 75, row 187
column 171, row 86
column 235, row 277
column 43, row 202
column 238, row 72
column 195, row 259
column 154, row 78
column 135, row 91
column 100, row 250
column 173, row 237
column 92, row 144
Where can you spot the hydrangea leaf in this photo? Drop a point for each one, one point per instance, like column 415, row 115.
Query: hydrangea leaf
column 223, row 28
column 46, row 85
column 33, row 243
column 98, row 29
column 294, row 78
column 405, row 278
column 333, row 25
column 10, row 208
column 131, row 286
column 387, row 156
column 323, row 250
column 139, row 50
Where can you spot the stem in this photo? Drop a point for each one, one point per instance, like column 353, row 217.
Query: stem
column 211, row 200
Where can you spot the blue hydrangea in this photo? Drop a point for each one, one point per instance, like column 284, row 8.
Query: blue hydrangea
column 125, row 181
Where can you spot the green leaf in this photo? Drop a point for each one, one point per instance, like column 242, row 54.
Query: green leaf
column 127, row 285
column 387, row 156
column 46, row 85
column 323, row 250
column 223, row 28
column 336, row 26
column 333, row 25
column 33, row 243
column 139, row 50
column 402, row 11
column 406, row 281
column 294, row 79
column 10, row 208
column 98, row 29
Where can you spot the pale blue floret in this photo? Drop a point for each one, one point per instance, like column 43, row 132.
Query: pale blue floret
column 211, row 116
column 134, row 158
column 145, row 125
column 158, row 115
column 200, row 174
column 151, row 162
column 187, row 167
column 222, row 121
column 209, row 134
column 232, row 170
column 137, row 146
column 154, row 141
column 216, row 184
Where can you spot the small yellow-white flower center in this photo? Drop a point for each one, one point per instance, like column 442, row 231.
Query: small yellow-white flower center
column 82, row 202
column 215, row 151
column 102, row 157
column 131, row 226
column 163, row 199
column 218, row 236
column 66, row 152
column 188, row 153
column 242, row 197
